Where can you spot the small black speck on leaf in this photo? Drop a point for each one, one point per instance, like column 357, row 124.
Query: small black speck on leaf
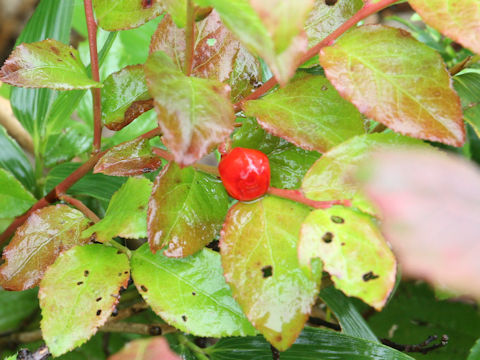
column 267, row 271
column 337, row 219
column 80, row 283
column 98, row 299
column 86, row 273
column 194, row 293
column 327, row 237
column 144, row 289
column 184, row 317
column 99, row 312
column 370, row 276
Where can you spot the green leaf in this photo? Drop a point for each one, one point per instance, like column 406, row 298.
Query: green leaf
column 324, row 19
column 66, row 144
column 352, row 250
column 218, row 55
column 14, row 198
column 195, row 114
column 475, row 351
column 124, row 14
column 146, row 349
column 78, row 294
column 259, row 258
column 459, row 22
column 414, row 314
column 396, row 80
column 308, row 112
column 332, row 176
column 51, row 20
column 129, row 159
column 16, row 306
column 288, row 163
column 204, row 304
column 124, row 96
column 46, row 64
column 37, row 243
column 126, row 215
column 186, row 210
column 313, row 344
column 98, row 186
column 271, row 29
column 13, row 159
column 350, row 319
column 467, row 85
column 177, row 10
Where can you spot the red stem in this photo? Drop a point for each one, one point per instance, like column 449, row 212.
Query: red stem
column 367, row 10
column 189, row 38
column 97, row 104
column 80, row 206
column 297, row 195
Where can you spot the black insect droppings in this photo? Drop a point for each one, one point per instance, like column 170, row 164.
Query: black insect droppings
column 98, row 299
column 99, row 312
column 115, row 312
column 86, row 273
column 80, row 283
column 144, row 289
column 330, row 2
column 194, row 293
column 370, row 276
column 184, row 317
column 337, row 219
column 267, row 271
column 327, row 237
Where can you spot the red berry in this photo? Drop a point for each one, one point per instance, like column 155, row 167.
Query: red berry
column 245, row 173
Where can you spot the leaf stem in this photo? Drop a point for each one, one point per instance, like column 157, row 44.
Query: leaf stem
column 97, row 104
column 80, row 206
column 199, row 352
column 368, row 9
column 298, row 196
column 189, row 38
column 120, row 248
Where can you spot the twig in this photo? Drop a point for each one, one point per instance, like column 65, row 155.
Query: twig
column 80, row 206
column 324, row 323
column 137, row 328
column 297, row 195
column 368, row 9
column 42, row 353
column 275, row 353
column 420, row 348
column 13, row 126
column 189, row 38
column 97, row 105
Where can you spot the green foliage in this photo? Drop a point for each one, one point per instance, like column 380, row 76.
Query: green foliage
column 327, row 99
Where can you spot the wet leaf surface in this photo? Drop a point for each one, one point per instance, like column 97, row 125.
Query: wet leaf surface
column 46, row 64
column 430, row 204
column 38, row 242
column 396, row 80
column 124, row 97
column 125, row 14
column 332, row 177
column 353, row 252
column 459, row 21
column 190, row 293
column 195, row 114
column 126, row 214
column 308, row 112
column 259, row 256
column 186, row 210
column 78, row 294
column 218, row 55
column 146, row 349
column 129, row 159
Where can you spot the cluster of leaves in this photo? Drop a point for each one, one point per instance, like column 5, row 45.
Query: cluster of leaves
column 192, row 69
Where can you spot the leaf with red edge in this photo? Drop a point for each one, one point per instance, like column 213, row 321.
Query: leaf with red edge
column 46, row 64
column 78, row 294
column 186, row 210
column 146, row 349
column 129, row 159
column 430, row 203
column 352, row 250
column 114, row 15
column 308, row 112
column 38, row 242
column 259, row 257
column 396, row 80
column 218, row 55
column 124, row 97
column 459, row 20
column 272, row 29
column 195, row 115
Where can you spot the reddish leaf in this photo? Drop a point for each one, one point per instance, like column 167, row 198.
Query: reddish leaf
column 218, row 54
column 431, row 207
column 38, row 242
column 155, row 348
column 46, row 64
column 396, row 80
column 459, row 20
column 129, row 159
column 195, row 114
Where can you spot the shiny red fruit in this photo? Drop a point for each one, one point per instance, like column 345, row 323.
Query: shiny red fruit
column 245, row 173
